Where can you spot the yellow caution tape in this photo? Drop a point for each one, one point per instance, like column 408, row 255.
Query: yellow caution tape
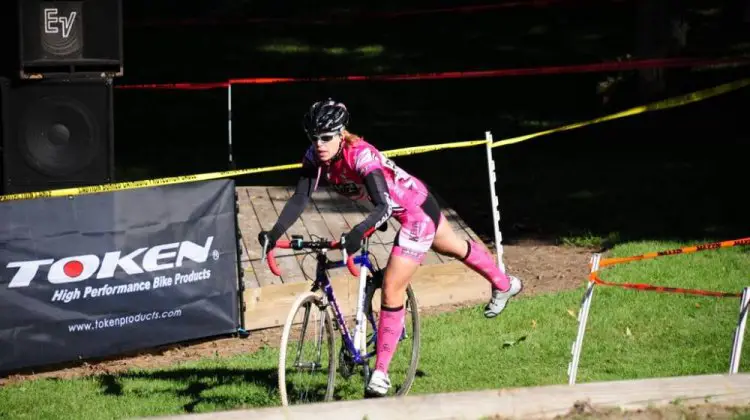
column 407, row 151
column 655, row 106
column 121, row 186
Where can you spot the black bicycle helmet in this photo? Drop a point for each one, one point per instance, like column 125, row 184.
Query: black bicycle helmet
column 325, row 117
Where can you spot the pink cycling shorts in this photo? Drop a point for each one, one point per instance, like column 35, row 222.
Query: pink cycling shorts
column 418, row 227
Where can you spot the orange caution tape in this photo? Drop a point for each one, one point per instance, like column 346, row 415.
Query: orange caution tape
column 685, row 250
column 594, row 276
column 665, row 289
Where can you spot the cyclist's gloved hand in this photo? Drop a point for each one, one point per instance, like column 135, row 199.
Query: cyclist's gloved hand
column 265, row 237
column 352, row 241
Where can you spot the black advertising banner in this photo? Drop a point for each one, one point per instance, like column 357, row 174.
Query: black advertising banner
column 101, row 274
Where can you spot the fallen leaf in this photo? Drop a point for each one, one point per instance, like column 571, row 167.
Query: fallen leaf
column 533, row 323
column 628, row 332
column 571, row 313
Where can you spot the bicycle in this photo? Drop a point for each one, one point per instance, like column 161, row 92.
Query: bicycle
column 353, row 352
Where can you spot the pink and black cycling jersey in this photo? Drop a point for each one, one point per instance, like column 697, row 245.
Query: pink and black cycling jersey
column 346, row 176
column 361, row 172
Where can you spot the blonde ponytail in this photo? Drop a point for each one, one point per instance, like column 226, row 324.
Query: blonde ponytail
column 350, row 138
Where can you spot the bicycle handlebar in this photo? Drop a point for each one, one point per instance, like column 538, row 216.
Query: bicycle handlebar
column 320, row 244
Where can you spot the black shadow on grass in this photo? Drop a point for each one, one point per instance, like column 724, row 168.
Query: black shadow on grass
column 196, row 381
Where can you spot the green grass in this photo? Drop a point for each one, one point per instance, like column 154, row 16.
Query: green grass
column 590, row 240
column 630, row 335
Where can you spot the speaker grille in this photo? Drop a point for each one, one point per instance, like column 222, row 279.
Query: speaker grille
column 57, row 134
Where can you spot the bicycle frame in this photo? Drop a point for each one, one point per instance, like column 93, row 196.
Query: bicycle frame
column 356, row 344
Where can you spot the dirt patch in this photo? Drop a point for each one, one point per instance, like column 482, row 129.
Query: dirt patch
column 547, row 268
column 543, row 268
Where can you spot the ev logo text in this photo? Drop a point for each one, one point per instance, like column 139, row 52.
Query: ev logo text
column 83, row 267
column 52, row 21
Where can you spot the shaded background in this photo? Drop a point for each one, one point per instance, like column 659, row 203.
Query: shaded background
column 672, row 174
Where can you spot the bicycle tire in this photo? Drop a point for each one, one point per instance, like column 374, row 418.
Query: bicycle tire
column 316, row 301
column 411, row 300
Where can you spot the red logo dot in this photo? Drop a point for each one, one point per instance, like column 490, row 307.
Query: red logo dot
column 73, row 269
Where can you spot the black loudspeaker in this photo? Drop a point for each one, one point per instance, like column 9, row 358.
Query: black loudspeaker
column 49, row 39
column 56, row 134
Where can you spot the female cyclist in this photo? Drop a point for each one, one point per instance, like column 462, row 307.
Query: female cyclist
column 356, row 169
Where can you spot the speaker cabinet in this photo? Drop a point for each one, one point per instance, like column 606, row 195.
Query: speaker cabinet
column 56, row 134
column 63, row 38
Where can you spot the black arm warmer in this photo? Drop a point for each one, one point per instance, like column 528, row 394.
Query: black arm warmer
column 296, row 204
column 377, row 188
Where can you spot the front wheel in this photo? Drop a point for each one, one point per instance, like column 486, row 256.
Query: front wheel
column 307, row 369
column 403, row 367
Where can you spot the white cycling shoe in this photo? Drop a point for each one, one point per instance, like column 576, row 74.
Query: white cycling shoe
column 379, row 384
column 500, row 299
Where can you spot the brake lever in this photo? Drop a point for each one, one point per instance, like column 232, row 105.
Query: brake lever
column 265, row 247
column 342, row 242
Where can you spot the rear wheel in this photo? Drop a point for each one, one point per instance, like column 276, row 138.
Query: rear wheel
column 403, row 367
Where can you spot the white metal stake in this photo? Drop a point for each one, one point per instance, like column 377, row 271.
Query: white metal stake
column 583, row 316
column 739, row 333
column 229, row 124
column 495, row 203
